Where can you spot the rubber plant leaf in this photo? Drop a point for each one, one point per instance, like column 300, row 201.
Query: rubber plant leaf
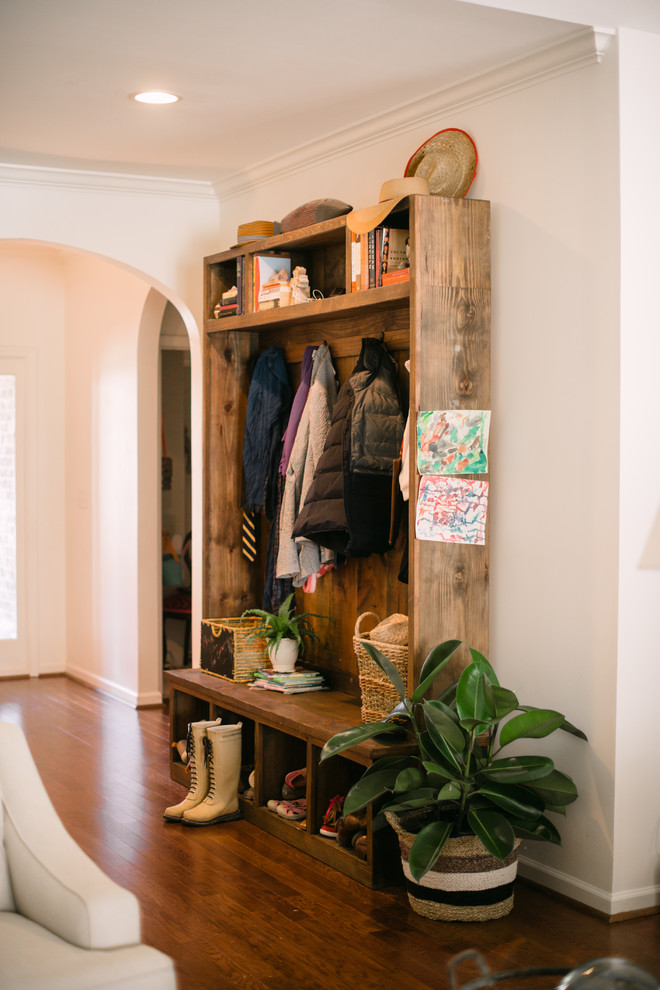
column 450, row 792
column 427, row 847
column 541, row 829
column 444, row 722
column 387, row 667
column 566, row 726
column 556, row 789
column 518, row 769
column 435, row 661
column 500, row 701
column 422, row 798
column 495, row 831
column 470, row 700
column 354, row 736
column 514, row 799
column 440, row 743
column 367, row 789
column 409, row 780
column 531, row 725
column 397, row 763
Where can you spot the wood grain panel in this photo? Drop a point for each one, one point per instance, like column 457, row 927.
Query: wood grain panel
column 450, row 357
column 230, row 583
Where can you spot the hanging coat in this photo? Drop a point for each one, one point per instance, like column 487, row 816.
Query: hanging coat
column 268, row 404
column 347, row 508
column 298, row 559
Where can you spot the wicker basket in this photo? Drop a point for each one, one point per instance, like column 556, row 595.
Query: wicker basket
column 466, row 883
column 230, row 650
column 379, row 696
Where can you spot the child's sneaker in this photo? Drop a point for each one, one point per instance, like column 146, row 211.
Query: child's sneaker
column 332, row 816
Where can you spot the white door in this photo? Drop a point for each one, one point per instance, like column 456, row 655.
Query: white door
column 14, row 516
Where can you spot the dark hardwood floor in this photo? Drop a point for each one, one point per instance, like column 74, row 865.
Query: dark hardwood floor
column 236, row 908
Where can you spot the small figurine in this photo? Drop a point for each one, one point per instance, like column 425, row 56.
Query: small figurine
column 299, row 285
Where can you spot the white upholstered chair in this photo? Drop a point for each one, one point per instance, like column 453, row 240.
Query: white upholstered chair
column 64, row 925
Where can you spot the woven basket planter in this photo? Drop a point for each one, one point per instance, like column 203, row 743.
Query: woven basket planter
column 465, row 884
column 378, row 694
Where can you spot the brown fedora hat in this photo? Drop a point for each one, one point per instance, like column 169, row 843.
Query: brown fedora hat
column 448, row 161
column 391, row 193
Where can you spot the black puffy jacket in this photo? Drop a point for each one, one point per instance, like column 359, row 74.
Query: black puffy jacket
column 348, row 505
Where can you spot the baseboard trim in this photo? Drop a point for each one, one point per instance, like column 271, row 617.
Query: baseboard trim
column 613, row 907
column 105, row 686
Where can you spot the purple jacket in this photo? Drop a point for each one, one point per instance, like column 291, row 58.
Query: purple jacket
column 297, row 408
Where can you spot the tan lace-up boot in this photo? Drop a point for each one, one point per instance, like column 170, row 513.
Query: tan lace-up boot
column 224, row 759
column 199, row 772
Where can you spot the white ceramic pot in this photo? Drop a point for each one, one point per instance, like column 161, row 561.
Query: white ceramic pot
column 284, row 657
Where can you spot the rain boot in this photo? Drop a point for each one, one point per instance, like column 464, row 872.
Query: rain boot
column 199, row 771
column 224, row 758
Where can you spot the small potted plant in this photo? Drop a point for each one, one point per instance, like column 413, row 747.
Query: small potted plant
column 284, row 632
column 456, row 797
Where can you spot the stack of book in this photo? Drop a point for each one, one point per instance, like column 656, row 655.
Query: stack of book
column 379, row 257
column 228, row 305
column 298, row 681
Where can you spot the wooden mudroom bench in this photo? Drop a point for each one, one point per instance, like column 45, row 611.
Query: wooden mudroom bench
column 283, row 733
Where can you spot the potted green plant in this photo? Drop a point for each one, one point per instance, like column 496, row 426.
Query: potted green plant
column 456, row 796
column 284, row 632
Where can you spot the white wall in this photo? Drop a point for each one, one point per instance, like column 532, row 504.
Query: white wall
column 104, row 309
column 33, row 318
column 637, row 804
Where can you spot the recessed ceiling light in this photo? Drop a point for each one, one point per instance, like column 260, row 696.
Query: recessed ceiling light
column 155, row 97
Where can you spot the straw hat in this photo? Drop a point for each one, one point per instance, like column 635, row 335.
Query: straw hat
column 448, row 161
column 391, row 193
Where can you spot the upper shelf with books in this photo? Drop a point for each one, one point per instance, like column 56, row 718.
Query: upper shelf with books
column 316, row 310
column 325, row 250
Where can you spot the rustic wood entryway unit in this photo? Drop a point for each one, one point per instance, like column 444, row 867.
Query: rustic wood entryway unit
column 440, row 319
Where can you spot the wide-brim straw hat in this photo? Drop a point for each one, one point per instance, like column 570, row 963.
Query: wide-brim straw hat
column 391, row 194
column 448, row 162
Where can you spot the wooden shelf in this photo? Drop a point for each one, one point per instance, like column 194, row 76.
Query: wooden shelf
column 377, row 300
column 440, row 320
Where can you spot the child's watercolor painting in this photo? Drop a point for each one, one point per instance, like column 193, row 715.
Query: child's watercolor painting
column 453, row 442
column 452, row 510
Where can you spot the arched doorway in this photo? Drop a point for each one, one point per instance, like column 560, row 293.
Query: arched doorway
column 93, row 327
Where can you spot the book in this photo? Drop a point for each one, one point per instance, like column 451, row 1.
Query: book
column 267, row 686
column 384, row 251
column 379, row 256
column 392, row 278
column 265, row 268
column 230, row 309
column 371, row 258
column 353, row 260
column 397, row 249
column 358, row 261
column 239, row 282
column 285, row 677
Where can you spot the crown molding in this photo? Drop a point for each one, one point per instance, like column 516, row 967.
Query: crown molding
column 580, row 49
column 105, row 182
column 583, row 48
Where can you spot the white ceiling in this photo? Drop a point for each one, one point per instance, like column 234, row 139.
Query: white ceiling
column 256, row 78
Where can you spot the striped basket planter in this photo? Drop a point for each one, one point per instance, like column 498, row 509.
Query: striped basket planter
column 465, row 884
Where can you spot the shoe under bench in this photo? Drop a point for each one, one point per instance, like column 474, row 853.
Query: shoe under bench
column 282, row 733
